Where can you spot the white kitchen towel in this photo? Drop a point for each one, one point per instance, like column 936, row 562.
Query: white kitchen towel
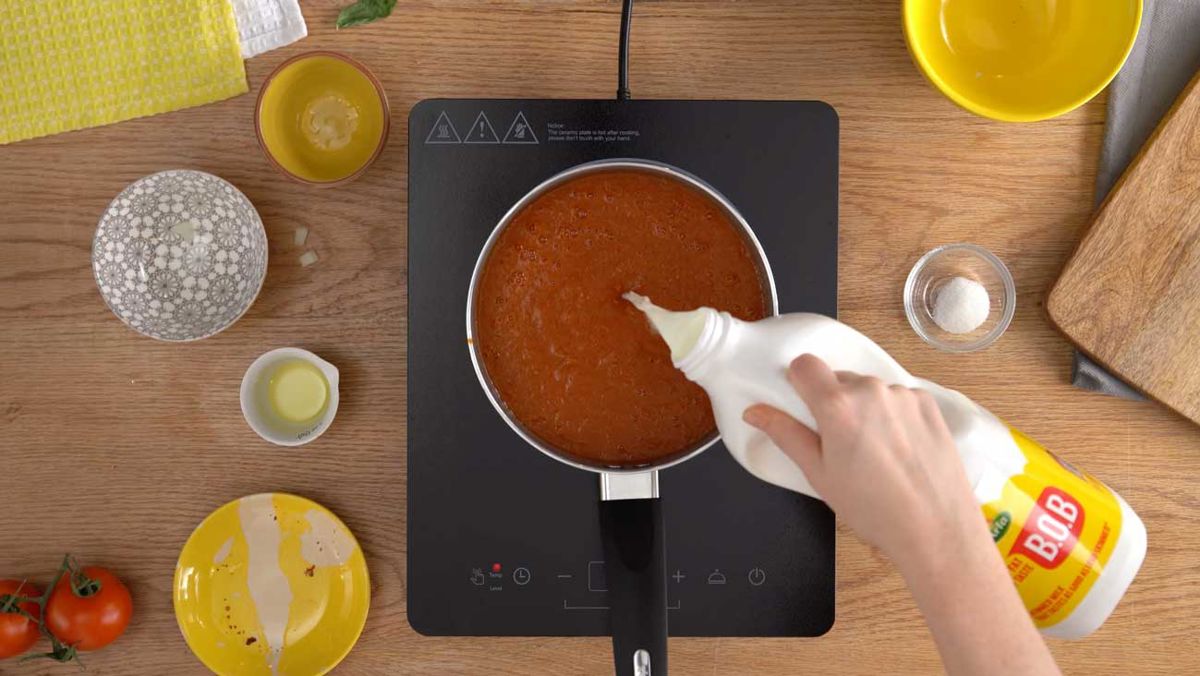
column 264, row 25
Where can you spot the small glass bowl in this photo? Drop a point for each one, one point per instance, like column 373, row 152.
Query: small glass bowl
column 943, row 264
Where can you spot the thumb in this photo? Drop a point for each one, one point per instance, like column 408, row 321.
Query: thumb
column 800, row 444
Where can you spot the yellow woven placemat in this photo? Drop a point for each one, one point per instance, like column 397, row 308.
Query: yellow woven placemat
column 71, row 64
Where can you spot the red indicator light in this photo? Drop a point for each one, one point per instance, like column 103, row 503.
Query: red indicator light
column 495, row 568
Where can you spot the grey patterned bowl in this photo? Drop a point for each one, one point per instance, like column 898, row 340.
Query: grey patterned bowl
column 179, row 255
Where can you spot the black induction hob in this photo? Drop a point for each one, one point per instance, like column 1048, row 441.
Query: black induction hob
column 503, row 540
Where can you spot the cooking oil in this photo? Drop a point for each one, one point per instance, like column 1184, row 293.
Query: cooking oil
column 297, row 391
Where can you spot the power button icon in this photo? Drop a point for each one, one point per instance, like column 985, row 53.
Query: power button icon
column 757, row 576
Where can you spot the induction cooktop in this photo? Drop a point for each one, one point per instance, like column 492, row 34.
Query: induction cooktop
column 503, row 540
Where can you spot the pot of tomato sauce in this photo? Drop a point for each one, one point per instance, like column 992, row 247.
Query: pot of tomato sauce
column 577, row 372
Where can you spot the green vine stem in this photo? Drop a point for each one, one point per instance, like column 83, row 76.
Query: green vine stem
column 81, row 585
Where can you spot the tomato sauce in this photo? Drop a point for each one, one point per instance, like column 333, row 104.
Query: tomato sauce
column 576, row 364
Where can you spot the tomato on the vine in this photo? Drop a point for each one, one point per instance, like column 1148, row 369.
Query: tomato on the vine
column 18, row 632
column 88, row 608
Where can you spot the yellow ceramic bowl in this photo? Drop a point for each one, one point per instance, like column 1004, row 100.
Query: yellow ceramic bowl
column 322, row 118
column 271, row 584
column 1021, row 60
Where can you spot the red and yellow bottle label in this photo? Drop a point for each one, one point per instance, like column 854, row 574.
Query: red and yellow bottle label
column 1056, row 528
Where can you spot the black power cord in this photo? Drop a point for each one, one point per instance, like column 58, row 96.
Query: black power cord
column 623, row 53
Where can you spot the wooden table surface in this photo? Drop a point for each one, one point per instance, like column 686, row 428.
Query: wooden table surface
column 114, row 446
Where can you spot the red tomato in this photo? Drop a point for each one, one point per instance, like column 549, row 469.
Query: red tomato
column 92, row 618
column 17, row 633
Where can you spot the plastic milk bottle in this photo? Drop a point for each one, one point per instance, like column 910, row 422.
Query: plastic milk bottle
column 1072, row 545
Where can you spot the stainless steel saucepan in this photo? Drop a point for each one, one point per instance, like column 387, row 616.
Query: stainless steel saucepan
column 631, row 522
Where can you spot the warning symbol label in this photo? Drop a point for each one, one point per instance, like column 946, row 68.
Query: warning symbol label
column 443, row 131
column 520, row 131
column 482, row 131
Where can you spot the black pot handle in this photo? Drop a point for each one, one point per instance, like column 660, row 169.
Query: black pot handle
column 636, row 571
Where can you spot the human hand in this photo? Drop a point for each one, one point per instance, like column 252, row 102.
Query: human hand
column 886, row 463
column 883, row 460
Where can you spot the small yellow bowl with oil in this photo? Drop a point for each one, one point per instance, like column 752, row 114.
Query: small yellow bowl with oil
column 289, row 396
column 322, row 118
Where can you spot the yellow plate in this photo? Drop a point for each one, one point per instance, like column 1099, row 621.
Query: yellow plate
column 322, row 118
column 1021, row 60
column 271, row 584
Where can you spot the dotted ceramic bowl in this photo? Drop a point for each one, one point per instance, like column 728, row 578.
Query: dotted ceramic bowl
column 180, row 255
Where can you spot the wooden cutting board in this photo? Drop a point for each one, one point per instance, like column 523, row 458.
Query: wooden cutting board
column 1130, row 295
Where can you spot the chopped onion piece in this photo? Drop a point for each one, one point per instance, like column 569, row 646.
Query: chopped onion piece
column 308, row 258
column 300, row 236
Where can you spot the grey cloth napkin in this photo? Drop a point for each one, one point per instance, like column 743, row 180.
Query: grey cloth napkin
column 1164, row 59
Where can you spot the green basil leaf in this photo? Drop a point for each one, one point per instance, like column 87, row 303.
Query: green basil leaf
column 364, row 11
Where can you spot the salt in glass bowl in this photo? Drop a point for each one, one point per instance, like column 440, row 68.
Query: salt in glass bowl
column 943, row 264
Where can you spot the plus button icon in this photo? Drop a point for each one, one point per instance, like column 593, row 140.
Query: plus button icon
column 678, row 575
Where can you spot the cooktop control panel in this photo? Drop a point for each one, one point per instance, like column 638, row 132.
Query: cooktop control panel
column 505, row 541
column 579, row 589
